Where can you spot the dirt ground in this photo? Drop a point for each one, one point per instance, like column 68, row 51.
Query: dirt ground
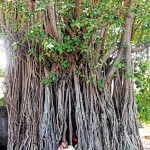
column 145, row 137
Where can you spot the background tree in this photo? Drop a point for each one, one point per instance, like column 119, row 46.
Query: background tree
column 142, row 85
column 70, row 72
column 142, row 92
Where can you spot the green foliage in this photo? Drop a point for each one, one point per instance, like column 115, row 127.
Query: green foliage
column 100, row 85
column 85, row 26
column 50, row 79
column 35, row 33
column 64, row 64
column 127, row 147
column 142, row 91
column 2, row 74
column 15, row 45
column 2, row 101
column 119, row 65
column 128, row 75
column 142, row 22
column 88, row 79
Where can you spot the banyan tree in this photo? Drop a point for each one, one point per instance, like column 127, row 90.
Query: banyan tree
column 70, row 73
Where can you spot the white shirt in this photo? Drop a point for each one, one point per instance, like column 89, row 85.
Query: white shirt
column 69, row 148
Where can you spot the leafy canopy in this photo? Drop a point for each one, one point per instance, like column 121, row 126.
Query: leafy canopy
column 77, row 26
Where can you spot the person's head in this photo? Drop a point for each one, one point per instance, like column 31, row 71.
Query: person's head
column 63, row 144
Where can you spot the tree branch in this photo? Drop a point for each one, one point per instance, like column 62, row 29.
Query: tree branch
column 68, row 29
column 112, row 68
column 7, row 31
column 1, row 21
column 140, row 47
column 107, row 54
column 125, row 40
column 52, row 19
column 77, row 9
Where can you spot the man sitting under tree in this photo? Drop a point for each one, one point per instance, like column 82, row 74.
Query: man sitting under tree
column 64, row 146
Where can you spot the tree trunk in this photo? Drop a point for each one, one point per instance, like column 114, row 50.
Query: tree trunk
column 94, row 105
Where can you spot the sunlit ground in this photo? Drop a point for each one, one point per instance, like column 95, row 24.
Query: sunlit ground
column 145, row 136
